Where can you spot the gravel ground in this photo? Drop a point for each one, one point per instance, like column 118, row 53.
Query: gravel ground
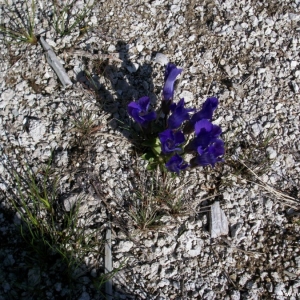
column 246, row 53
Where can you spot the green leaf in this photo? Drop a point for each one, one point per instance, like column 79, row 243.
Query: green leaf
column 148, row 156
column 151, row 166
column 156, row 150
column 150, row 143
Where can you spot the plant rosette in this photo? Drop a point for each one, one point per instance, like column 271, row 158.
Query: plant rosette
column 175, row 132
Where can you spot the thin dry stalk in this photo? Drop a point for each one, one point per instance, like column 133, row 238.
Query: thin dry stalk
column 289, row 201
column 215, row 70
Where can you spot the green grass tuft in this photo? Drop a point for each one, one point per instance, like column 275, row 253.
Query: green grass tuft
column 62, row 24
column 21, row 24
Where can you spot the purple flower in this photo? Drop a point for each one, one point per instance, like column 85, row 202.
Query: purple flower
column 179, row 114
column 206, row 112
column 138, row 111
column 170, row 76
column 206, row 133
column 209, row 156
column 208, row 146
column 170, row 141
column 176, row 164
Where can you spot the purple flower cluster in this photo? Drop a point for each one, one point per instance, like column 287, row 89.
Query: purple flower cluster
column 205, row 145
column 139, row 111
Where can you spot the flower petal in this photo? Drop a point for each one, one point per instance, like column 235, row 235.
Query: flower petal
column 170, row 141
column 171, row 74
column 149, row 117
column 138, row 111
column 144, row 103
column 207, row 110
column 203, row 126
column 179, row 115
column 133, row 106
column 179, row 137
column 209, row 156
column 176, row 164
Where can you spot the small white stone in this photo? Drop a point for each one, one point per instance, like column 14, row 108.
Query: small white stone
column 279, row 288
column 133, row 68
column 3, row 186
column 270, row 22
column 70, row 202
column 125, row 246
column 140, row 47
column 245, row 277
column 235, row 295
column 269, row 204
column 257, row 129
column 272, row 153
column 180, row 20
column 148, row 243
column 3, row 104
column 67, row 39
column 193, row 69
column 51, row 43
column 268, row 31
column 171, row 32
column 84, row 296
column 254, row 21
column 34, row 276
column 289, row 161
column 58, row 286
column 227, row 69
column 161, row 242
column 192, row 38
column 47, row 75
column 94, row 20
column 176, row 285
column 163, row 282
column 20, row 86
column 37, row 131
column 294, row 17
column 111, row 48
column 161, row 59
column 51, row 86
column 8, row 95
column 295, row 87
column 234, row 71
column 294, row 64
column 226, row 196
column 187, row 95
column 175, row 8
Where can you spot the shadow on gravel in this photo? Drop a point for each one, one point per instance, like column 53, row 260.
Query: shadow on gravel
column 35, row 266
column 46, row 253
column 128, row 83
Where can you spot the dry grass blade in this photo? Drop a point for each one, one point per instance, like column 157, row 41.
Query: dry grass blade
column 218, row 63
column 290, row 201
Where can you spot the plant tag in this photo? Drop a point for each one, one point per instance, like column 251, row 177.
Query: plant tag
column 218, row 221
column 55, row 64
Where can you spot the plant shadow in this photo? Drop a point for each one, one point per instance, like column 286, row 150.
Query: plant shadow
column 47, row 253
column 128, row 82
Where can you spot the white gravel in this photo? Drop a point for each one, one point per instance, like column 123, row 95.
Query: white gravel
column 246, row 54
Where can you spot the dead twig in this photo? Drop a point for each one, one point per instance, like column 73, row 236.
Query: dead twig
column 290, row 201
